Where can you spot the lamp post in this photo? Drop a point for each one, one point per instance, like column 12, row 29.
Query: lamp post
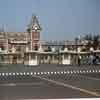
column 76, row 44
column 77, row 41
column 58, row 55
column 91, row 55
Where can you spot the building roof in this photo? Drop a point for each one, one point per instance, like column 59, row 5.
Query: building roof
column 18, row 36
column 34, row 22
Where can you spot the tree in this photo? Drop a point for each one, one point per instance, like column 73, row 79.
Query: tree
column 96, row 41
column 93, row 41
column 63, row 47
column 88, row 37
column 49, row 49
column 28, row 30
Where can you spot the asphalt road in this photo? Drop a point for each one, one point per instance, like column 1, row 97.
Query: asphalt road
column 49, row 81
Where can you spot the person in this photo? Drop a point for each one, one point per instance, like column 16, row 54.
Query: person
column 91, row 59
column 97, row 59
column 79, row 60
column 94, row 60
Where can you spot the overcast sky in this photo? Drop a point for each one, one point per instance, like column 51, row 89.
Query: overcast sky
column 60, row 19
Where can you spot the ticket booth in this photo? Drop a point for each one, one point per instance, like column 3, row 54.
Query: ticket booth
column 31, row 58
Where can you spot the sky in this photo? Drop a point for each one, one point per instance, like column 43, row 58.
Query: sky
column 59, row 19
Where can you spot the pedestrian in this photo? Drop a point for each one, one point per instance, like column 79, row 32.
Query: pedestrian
column 91, row 59
column 79, row 60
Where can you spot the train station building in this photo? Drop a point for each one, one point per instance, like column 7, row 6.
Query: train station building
column 26, row 48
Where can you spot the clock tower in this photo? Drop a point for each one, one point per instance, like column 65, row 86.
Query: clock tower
column 35, row 30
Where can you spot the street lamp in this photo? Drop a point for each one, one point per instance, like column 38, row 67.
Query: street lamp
column 58, row 55
column 76, row 43
column 91, row 55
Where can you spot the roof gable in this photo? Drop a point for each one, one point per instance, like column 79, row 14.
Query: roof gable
column 34, row 23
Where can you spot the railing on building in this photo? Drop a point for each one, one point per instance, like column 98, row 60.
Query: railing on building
column 32, row 58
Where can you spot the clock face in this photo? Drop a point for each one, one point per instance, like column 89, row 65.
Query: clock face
column 35, row 28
